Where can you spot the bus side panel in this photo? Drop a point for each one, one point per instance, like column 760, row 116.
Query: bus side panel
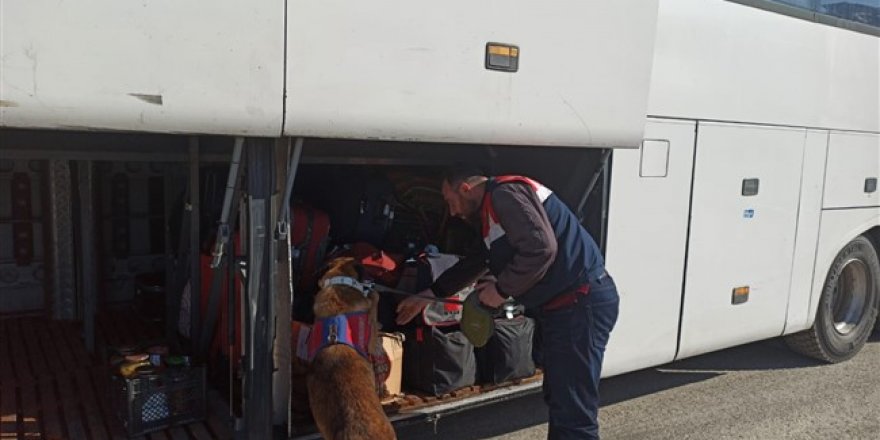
column 725, row 61
column 183, row 66
column 740, row 240
column 646, row 244
column 852, row 159
column 403, row 70
column 809, row 214
column 848, row 209
column 839, row 227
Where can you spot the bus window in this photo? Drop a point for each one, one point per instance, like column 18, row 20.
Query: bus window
column 860, row 11
column 806, row 4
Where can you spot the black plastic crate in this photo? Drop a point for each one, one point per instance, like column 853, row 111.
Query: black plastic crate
column 153, row 402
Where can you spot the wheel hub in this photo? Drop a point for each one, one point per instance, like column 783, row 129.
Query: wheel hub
column 848, row 302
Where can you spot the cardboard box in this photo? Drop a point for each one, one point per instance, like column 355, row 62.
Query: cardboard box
column 393, row 345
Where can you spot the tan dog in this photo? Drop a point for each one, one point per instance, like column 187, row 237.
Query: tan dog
column 341, row 383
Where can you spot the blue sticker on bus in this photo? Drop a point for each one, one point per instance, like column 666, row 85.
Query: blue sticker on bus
column 749, row 213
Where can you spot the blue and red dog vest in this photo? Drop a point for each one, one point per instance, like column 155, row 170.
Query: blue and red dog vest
column 351, row 329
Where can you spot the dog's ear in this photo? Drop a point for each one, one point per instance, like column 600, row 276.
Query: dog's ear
column 348, row 266
column 335, row 265
column 342, row 266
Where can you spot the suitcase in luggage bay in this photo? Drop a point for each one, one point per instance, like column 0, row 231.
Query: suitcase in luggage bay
column 443, row 314
column 360, row 205
column 438, row 360
column 309, row 237
column 219, row 343
column 419, row 273
column 376, row 209
column 508, row 354
column 221, row 313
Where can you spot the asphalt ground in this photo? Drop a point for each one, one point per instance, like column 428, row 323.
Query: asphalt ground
column 756, row 391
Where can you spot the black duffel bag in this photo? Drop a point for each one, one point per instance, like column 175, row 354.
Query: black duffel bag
column 508, row 354
column 438, row 360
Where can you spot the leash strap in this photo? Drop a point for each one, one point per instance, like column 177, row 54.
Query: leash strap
column 385, row 289
column 366, row 288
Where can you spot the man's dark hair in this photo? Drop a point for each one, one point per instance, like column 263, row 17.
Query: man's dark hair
column 461, row 172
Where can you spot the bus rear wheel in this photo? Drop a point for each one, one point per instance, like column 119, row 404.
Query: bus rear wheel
column 848, row 307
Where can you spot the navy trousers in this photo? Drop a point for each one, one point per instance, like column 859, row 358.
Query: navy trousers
column 571, row 350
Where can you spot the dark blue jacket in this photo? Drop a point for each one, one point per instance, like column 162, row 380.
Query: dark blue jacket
column 576, row 260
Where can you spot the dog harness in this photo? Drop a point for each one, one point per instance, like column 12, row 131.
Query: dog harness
column 352, row 329
column 308, row 341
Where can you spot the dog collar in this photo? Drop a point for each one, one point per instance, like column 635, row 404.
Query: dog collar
column 364, row 288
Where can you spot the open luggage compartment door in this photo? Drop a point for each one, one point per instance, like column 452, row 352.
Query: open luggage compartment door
column 182, row 66
column 444, row 72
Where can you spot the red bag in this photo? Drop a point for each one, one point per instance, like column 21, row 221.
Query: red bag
column 310, row 231
column 219, row 343
column 379, row 266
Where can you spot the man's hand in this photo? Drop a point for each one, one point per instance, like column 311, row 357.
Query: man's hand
column 412, row 306
column 489, row 294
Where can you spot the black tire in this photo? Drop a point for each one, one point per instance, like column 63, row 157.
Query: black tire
column 875, row 238
column 848, row 307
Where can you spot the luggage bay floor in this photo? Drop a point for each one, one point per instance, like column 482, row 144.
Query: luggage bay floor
column 409, row 406
column 409, row 401
column 51, row 388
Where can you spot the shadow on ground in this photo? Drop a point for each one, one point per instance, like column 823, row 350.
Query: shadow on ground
column 771, row 354
column 506, row 417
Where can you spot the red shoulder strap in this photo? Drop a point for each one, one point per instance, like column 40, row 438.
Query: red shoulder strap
column 518, row 179
column 488, row 211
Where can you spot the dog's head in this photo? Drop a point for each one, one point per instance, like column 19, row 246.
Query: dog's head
column 342, row 267
column 337, row 299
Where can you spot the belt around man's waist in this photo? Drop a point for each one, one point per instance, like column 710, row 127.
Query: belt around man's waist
column 566, row 299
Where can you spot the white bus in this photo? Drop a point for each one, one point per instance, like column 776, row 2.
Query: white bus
column 749, row 93
column 739, row 200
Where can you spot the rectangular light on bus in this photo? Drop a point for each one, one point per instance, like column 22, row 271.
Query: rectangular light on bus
column 740, row 295
column 504, row 57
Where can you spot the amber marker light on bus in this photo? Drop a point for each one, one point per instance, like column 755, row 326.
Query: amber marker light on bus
column 740, row 295
column 503, row 57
